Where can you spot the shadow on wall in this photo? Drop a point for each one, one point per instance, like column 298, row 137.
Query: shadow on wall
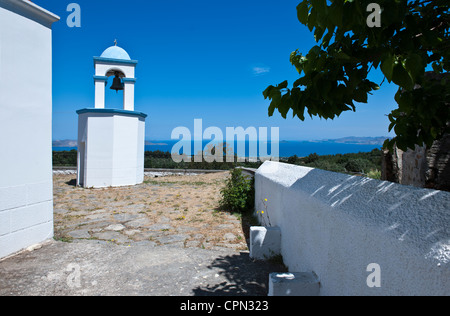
column 244, row 277
column 409, row 214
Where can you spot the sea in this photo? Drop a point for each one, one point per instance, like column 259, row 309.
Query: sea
column 286, row 148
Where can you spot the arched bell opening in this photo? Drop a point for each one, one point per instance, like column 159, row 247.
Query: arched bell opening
column 114, row 92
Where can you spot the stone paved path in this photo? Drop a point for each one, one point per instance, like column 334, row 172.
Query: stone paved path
column 181, row 210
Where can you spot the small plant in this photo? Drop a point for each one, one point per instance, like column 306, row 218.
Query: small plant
column 238, row 193
column 374, row 174
column 264, row 215
column 64, row 239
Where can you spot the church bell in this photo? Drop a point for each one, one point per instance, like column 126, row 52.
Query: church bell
column 117, row 83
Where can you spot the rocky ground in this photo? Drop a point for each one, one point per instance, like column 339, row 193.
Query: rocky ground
column 179, row 210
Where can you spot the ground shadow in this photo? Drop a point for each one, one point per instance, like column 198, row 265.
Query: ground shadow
column 245, row 277
column 72, row 182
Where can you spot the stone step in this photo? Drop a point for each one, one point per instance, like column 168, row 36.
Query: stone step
column 293, row 284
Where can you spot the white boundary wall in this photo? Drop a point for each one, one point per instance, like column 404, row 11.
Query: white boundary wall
column 335, row 225
column 26, row 197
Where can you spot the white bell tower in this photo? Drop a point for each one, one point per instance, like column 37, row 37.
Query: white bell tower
column 110, row 141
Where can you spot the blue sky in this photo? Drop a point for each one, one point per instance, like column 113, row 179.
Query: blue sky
column 197, row 59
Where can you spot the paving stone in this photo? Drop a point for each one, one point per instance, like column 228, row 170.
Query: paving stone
column 140, row 222
column 125, row 217
column 198, row 236
column 95, row 217
column 164, row 219
column 229, row 236
column 145, row 243
column 169, row 239
column 193, row 243
column 112, row 236
column 225, row 226
column 115, row 227
column 60, row 211
column 160, row 227
column 81, row 234
column 131, row 232
column 185, row 229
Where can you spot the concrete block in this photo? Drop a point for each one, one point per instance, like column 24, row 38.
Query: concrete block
column 29, row 216
column 265, row 242
column 39, row 192
column 293, row 284
column 12, row 197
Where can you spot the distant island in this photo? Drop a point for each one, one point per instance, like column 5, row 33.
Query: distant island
column 356, row 140
column 150, row 143
column 65, row 143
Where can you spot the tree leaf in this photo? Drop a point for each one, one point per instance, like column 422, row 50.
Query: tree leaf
column 285, row 105
column 302, row 12
column 360, row 96
column 414, row 66
column 283, row 85
column 401, row 77
column 318, row 33
column 312, row 19
column 320, row 5
column 266, row 93
column 271, row 109
column 387, row 66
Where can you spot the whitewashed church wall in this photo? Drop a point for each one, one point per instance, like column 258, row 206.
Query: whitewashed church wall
column 26, row 198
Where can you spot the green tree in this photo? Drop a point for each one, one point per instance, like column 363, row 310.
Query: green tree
column 311, row 158
column 356, row 165
column 413, row 37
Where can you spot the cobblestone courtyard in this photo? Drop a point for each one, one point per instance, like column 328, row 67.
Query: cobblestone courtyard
column 172, row 210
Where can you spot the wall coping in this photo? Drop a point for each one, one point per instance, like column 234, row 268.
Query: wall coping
column 112, row 111
column 115, row 61
column 30, row 10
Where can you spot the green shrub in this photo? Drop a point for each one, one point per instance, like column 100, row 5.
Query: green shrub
column 65, row 158
column 239, row 194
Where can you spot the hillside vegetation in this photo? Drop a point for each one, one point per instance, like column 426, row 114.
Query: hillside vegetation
column 368, row 164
